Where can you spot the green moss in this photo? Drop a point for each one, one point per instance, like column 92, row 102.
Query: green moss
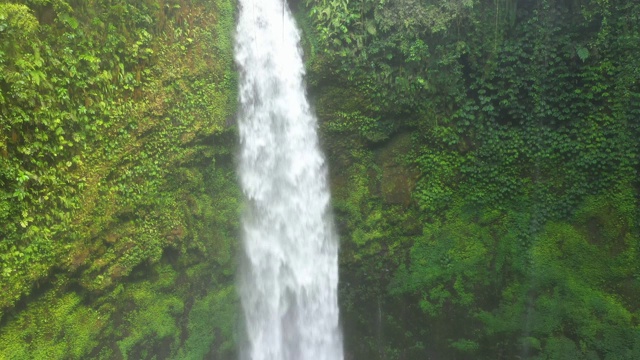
column 154, row 320
column 116, row 175
column 519, row 235
column 210, row 327
column 58, row 327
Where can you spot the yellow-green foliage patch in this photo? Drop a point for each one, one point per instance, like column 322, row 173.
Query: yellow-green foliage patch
column 118, row 203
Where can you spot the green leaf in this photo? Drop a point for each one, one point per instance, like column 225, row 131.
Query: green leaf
column 583, row 53
column 371, row 27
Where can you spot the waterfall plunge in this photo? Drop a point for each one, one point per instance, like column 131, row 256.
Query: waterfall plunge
column 289, row 279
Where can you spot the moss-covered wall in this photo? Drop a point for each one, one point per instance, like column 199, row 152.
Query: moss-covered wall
column 118, row 199
column 484, row 163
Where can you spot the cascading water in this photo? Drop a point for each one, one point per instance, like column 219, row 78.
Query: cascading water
column 289, row 280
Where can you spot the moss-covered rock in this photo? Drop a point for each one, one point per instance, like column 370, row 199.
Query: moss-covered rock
column 119, row 203
column 477, row 149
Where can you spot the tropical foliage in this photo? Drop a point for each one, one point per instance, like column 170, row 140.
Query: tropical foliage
column 118, row 202
column 485, row 174
column 484, row 161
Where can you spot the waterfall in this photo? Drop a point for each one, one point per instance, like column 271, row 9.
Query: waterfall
column 288, row 282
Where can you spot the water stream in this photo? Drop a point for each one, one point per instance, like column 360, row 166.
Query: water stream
column 289, row 278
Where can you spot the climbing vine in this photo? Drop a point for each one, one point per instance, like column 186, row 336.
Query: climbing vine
column 523, row 119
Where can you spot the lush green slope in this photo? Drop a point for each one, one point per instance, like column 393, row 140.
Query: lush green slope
column 118, row 203
column 484, row 159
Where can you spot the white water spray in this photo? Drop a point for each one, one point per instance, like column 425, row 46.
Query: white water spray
column 289, row 280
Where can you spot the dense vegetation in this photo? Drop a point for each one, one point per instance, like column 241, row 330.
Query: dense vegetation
column 118, row 203
column 485, row 161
